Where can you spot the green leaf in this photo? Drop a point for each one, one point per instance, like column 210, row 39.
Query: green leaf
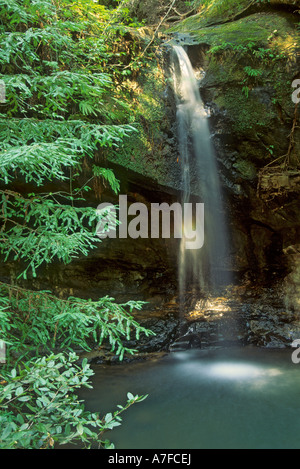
column 19, row 391
column 130, row 396
column 79, row 429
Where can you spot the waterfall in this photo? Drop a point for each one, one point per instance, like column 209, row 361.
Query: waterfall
column 202, row 268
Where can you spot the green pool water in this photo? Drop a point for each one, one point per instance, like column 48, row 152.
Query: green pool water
column 235, row 398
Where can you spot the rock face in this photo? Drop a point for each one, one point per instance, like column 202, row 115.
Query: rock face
column 245, row 316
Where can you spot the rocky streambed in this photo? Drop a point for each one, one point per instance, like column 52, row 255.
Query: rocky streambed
column 243, row 316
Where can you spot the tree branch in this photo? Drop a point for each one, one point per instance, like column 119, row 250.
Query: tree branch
column 155, row 32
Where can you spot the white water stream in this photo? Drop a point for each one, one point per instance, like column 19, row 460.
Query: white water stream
column 202, row 267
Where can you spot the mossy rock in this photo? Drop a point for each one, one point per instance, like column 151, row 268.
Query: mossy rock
column 148, row 151
column 212, row 12
column 246, row 169
column 258, row 28
column 247, row 114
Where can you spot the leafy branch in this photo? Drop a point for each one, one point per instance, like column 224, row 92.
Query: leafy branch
column 44, row 321
column 46, row 387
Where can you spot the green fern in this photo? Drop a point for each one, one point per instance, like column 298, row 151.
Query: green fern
column 251, row 72
column 109, row 176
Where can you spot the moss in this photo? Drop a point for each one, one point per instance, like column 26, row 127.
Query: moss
column 145, row 151
column 223, row 71
column 246, row 169
column 247, row 114
column 212, row 12
column 258, row 29
column 215, row 11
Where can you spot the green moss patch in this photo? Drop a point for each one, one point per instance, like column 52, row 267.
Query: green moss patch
column 145, row 151
column 267, row 30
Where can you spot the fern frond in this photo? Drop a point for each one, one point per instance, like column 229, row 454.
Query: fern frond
column 38, row 162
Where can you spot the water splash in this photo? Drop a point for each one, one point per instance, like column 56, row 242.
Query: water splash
column 202, row 268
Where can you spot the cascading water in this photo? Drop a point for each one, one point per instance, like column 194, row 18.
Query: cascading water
column 202, row 268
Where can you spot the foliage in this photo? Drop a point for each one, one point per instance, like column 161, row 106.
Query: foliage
column 43, row 322
column 61, row 106
column 63, row 65
column 90, row 136
column 40, row 410
column 39, row 229
column 252, row 49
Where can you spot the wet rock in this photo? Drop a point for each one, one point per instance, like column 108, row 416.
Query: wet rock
column 272, row 334
column 165, row 333
column 292, row 280
column 247, row 316
column 187, row 342
column 278, row 182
